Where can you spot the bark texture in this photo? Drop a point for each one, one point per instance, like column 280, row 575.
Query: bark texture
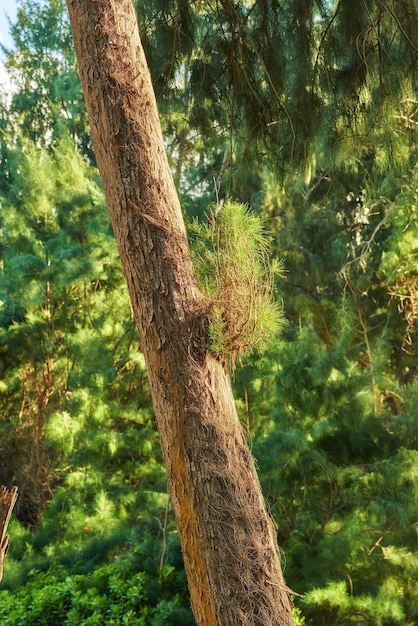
column 228, row 538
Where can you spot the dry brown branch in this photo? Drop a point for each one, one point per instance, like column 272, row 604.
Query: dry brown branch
column 406, row 292
column 7, row 502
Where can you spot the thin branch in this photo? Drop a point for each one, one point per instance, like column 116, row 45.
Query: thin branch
column 7, row 502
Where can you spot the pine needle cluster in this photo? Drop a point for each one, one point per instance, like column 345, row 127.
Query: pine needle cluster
column 231, row 256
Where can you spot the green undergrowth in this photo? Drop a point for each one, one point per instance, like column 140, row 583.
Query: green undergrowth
column 116, row 593
column 127, row 576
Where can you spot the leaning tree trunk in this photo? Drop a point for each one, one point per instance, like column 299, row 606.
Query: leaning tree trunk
column 227, row 536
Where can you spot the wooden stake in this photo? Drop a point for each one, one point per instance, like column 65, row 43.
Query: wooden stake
column 7, row 502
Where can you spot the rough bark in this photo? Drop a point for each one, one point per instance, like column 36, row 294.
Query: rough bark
column 228, row 538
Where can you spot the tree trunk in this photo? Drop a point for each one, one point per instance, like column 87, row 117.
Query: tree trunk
column 227, row 536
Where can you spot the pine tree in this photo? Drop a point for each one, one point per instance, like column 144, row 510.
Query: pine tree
column 46, row 102
column 203, row 445
column 330, row 408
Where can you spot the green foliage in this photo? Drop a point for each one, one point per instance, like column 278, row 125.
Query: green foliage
column 307, row 112
column 231, row 258
column 47, row 101
column 340, row 605
column 74, row 391
column 116, row 594
column 348, row 472
column 287, row 86
column 330, row 407
column 298, row 617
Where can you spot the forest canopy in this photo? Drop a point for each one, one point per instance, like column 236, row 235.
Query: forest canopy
column 307, row 113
